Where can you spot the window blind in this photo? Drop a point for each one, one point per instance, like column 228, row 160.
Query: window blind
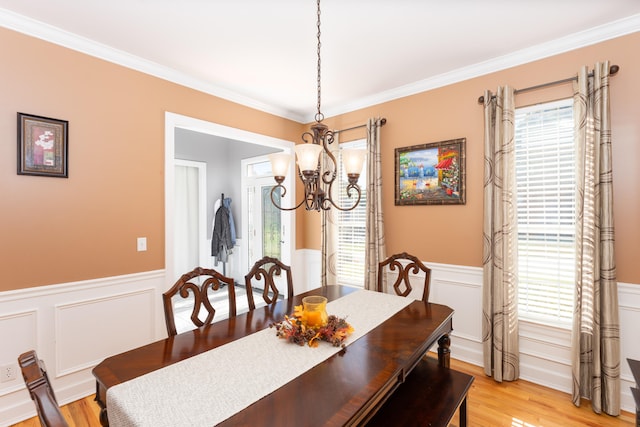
column 545, row 180
column 352, row 225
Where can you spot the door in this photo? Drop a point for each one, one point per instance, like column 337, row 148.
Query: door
column 266, row 226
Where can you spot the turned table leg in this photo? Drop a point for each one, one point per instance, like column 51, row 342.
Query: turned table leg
column 444, row 352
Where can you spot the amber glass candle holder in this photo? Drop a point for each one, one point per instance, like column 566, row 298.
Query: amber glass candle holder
column 315, row 311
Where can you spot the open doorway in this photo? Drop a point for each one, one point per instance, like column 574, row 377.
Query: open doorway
column 174, row 125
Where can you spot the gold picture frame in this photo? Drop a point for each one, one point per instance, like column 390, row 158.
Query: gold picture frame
column 431, row 174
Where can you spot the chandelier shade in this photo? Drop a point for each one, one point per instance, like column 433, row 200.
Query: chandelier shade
column 353, row 160
column 279, row 165
column 308, row 156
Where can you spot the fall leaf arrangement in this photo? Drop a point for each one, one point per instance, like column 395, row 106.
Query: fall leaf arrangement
column 294, row 330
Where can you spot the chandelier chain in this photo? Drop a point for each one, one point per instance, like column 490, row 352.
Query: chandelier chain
column 319, row 172
column 319, row 115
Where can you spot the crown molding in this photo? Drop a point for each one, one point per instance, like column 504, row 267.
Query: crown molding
column 72, row 41
column 574, row 41
column 49, row 33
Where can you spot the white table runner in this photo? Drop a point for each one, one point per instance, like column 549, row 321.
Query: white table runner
column 208, row 388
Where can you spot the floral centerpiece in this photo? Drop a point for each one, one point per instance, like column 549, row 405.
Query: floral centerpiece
column 295, row 329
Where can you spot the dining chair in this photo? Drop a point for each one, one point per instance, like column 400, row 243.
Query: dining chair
column 406, row 266
column 37, row 382
column 267, row 270
column 198, row 282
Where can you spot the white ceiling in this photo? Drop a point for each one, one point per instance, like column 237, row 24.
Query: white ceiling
column 263, row 53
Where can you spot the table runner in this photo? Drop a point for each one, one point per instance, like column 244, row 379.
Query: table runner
column 208, row 388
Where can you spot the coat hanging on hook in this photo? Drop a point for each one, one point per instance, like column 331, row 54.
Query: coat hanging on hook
column 223, row 238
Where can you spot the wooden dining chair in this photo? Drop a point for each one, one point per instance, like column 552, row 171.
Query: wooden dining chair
column 406, row 265
column 199, row 283
column 37, row 382
column 267, row 269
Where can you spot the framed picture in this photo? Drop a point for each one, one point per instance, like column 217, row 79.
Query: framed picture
column 431, row 174
column 43, row 146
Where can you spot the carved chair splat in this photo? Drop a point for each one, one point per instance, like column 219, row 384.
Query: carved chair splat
column 405, row 264
column 267, row 269
column 212, row 281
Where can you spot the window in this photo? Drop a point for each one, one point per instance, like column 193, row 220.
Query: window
column 545, row 180
column 351, row 227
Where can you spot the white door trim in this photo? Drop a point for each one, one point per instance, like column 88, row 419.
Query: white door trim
column 174, row 121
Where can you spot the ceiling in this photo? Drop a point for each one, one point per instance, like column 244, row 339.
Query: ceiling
column 263, row 53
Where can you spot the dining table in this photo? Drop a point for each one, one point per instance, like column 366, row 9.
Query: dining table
column 237, row 372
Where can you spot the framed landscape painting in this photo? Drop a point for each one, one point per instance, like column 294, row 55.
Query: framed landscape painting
column 431, row 174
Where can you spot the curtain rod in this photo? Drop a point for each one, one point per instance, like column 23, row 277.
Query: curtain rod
column 612, row 71
column 383, row 121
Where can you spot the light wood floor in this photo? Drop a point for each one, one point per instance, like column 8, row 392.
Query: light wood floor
column 514, row 404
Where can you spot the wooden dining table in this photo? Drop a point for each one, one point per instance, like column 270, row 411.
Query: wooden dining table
column 346, row 389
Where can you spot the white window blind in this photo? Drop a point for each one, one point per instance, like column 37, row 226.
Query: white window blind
column 351, row 226
column 545, row 177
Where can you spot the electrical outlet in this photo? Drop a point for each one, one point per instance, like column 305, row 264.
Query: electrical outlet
column 8, row 372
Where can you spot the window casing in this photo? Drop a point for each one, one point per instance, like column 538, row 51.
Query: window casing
column 545, row 181
column 352, row 225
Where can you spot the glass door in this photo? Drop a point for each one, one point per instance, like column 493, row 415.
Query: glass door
column 267, row 227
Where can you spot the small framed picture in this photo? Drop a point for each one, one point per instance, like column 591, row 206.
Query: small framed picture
column 43, row 146
column 431, row 174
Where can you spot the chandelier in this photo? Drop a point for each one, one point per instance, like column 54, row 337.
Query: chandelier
column 318, row 176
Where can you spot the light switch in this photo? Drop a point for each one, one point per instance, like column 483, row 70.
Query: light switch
column 142, row 244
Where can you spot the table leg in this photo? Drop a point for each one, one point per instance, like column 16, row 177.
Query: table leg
column 104, row 420
column 463, row 413
column 444, row 352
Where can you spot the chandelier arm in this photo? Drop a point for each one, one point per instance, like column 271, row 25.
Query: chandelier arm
column 329, row 175
column 284, row 191
column 349, row 188
column 307, row 137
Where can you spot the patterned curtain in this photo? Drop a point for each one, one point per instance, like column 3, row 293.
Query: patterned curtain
column 375, row 242
column 596, row 332
column 329, row 228
column 500, row 251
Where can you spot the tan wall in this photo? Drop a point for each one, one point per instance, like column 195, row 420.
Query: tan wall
column 453, row 234
column 59, row 230
column 56, row 230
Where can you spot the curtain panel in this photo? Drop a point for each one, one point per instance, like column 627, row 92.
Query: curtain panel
column 375, row 241
column 596, row 330
column 500, row 239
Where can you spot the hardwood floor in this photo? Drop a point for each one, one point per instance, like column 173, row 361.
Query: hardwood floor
column 515, row 404
column 524, row 404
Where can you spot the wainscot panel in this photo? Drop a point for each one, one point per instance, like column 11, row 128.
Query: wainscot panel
column 73, row 326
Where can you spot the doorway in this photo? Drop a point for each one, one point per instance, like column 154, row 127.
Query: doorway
column 175, row 121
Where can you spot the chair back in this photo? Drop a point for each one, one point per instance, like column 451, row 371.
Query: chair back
column 208, row 280
column 405, row 264
column 37, row 382
column 267, row 269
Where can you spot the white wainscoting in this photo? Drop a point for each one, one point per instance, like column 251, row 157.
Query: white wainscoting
column 74, row 326
column 305, row 270
column 545, row 352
